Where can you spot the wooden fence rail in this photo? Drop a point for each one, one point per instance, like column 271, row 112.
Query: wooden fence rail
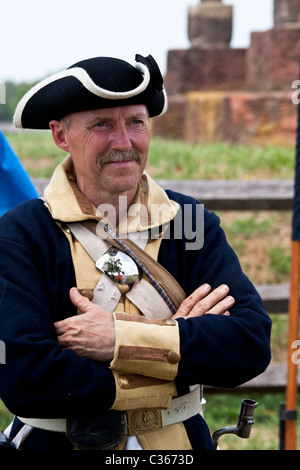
column 276, row 195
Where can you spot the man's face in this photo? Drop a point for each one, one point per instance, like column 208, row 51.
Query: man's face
column 109, row 147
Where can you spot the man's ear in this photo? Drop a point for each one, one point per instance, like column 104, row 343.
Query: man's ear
column 58, row 130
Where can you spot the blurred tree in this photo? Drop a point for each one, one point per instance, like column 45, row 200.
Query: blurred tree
column 14, row 93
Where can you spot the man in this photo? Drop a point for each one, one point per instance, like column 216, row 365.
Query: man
column 90, row 366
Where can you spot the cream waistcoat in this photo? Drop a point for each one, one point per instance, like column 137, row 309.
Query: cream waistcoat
column 151, row 382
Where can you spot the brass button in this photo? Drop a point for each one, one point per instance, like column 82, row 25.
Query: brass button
column 173, row 357
column 169, row 322
column 123, row 381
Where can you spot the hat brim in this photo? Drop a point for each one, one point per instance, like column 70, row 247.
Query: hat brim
column 91, row 84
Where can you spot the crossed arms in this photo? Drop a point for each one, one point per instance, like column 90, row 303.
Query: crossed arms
column 93, row 334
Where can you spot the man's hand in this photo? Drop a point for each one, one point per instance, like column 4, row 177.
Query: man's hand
column 93, row 333
column 90, row 335
column 203, row 301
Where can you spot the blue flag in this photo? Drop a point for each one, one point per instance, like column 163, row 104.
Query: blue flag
column 15, row 184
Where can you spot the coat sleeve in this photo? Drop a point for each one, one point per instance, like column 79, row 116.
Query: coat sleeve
column 39, row 378
column 221, row 351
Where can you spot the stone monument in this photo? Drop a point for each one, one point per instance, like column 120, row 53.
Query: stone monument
column 209, row 63
column 286, row 13
column 218, row 93
column 210, row 25
column 274, row 55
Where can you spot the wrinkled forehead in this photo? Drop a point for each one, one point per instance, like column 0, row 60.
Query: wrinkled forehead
column 91, row 117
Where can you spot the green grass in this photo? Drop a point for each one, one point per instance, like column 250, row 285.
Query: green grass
column 280, row 262
column 5, row 415
column 37, row 152
column 171, row 160
column 262, row 241
column 251, row 226
column 223, row 409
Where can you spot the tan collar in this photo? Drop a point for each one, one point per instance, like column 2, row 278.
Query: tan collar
column 151, row 207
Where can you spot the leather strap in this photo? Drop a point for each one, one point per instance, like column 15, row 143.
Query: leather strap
column 167, row 282
column 141, row 420
column 106, row 292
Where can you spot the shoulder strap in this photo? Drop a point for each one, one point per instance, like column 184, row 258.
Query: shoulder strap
column 158, row 276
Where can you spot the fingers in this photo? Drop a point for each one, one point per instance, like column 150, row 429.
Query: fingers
column 189, row 303
column 79, row 301
column 91, row 335
column 222, row 307
column 82, row 303
column 203, row 301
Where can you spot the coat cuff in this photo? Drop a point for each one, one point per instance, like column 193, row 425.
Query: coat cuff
column 146, row 347
column 136, row 391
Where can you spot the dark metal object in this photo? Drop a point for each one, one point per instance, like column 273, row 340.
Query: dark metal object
column 244, row 425
column 284, row 416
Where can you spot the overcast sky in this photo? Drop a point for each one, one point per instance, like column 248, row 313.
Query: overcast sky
column 41, row 37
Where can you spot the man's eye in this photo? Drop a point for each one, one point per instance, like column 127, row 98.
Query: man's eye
column 100, row 124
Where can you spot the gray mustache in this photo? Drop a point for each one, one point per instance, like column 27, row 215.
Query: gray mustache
column 118, row 156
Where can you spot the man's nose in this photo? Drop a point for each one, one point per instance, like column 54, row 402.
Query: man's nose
column 121, row 139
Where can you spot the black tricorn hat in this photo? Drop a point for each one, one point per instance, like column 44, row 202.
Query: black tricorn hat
column 99, row 82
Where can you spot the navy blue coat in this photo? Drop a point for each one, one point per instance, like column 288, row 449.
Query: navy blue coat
column 40, row 379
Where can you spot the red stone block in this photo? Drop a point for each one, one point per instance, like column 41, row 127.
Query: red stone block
column 172, row 124
column 273, row 59
column 198, row 69
column 258, row 118
column 263, row 118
